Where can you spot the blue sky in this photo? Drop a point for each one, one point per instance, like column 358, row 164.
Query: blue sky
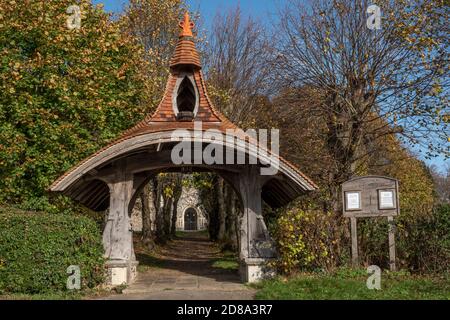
column 262, row 9
column 208, row 8
column 112, row 5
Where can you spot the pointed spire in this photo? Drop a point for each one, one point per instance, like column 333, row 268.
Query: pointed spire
column 185, row 51
column 186, row 26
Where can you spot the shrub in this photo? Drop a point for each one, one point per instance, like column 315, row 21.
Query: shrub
column 424, row 243
column 422, row 240
column 37, row 248
column 309, row 239
column 312, row 239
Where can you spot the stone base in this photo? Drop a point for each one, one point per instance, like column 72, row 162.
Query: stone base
column 121, row 272
column 256, row 269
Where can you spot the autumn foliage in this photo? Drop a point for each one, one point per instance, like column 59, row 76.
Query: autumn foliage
column 346, row 100
column 63, row 93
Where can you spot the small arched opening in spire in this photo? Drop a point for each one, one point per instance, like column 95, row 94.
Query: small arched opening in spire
column 186, row 100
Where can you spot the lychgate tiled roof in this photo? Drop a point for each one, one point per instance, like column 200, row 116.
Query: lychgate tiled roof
column 206, row 111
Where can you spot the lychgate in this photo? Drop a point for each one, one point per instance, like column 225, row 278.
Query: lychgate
column 114, row 176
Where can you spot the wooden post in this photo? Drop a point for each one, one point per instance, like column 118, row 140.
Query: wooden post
column 250, row 189
column 117, row 236
column 391, row 243
column 354, row 233
column 256, row 247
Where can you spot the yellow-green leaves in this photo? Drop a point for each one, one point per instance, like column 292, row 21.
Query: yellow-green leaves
column 63, row 93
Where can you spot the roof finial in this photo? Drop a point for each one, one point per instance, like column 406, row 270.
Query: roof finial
column 186, row 25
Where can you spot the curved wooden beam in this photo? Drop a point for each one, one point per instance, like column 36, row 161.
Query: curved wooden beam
column 154, row 139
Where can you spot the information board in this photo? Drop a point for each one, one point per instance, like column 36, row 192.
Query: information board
column 370, row 196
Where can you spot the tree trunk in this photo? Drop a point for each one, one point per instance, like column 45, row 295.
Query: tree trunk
column 212, row 227
column 213, row 216
column 237, row 225
column 178, row 189
column 344, row 144
column 167, row 214
column 221, row 209
column 157, row 192
column 231, row 219
column 147, row 203
column 173, row 227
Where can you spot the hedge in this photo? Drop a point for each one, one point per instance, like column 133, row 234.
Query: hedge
column 37, row 248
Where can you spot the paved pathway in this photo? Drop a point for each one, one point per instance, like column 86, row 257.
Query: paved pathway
column 184, row 271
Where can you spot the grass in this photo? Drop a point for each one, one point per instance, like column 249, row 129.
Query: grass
column 86, row 294
column 228, row 261
column 227, row 264
column 63, row 295
column 43, row 296
column 349, row 285
column 148, row 261
column 189, row 234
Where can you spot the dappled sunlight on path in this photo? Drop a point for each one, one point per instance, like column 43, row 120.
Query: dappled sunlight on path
column 189, row 267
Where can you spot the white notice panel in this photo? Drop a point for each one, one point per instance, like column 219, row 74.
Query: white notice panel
column 353, row 200
column 386, row 199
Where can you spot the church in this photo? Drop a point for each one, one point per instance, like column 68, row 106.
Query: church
column 191, row 216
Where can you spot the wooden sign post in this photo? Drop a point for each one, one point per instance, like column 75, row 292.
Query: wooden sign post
column 391, row 243
column 371, row 196
column 354, row 233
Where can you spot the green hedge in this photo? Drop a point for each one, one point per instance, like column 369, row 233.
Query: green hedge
column 37, row 248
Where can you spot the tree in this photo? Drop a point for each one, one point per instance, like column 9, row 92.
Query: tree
column 442, row 183
column 63, row 93
column 395, row 77
column 158, row 189
column 220, row 193
column 415, row 181
column 166, row 191
column 148, row 206
column 232, row 220
column 155, row 24
column 236, row 57
column 177, row 185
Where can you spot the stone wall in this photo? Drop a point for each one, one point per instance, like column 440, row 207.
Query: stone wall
column 189, row 199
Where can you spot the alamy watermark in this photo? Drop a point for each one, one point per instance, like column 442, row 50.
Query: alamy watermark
column 74, row 278
column 374, row 280
column 373, row 22
column 232, row 147
column 74, row 20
